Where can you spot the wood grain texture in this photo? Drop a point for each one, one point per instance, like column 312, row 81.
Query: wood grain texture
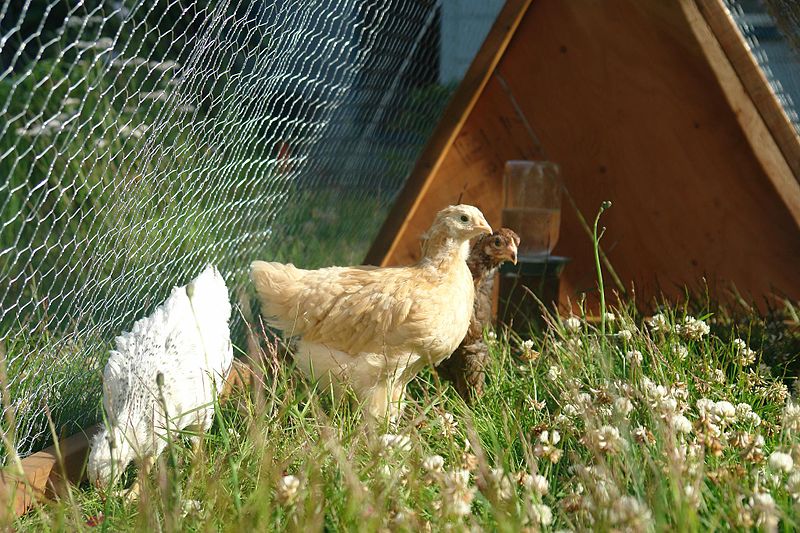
column 452, row 121
column 624, row 96
column 754, row 82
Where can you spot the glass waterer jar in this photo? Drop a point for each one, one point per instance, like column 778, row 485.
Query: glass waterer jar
column 532, row 205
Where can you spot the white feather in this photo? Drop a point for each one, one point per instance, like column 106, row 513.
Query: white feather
column 186, row 341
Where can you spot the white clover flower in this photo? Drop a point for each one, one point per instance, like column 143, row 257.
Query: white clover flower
column 658, row 322
column 553, row 373
column 725, row 411
column 762, row 500
column 526, row 345
column 583, row 400
column 718, row 375
column 190, row 507
column 625, row 334
column 791, row 417
column 492, row 336
column 642, row 435
column 742, row 410
column 541, row 514
column 680, row 351
column 391, row 442
column 457, row 494
column 693, row 328
column 763, row 505
column 778, row 391
column 385, row 471
column 572, row 324
column 668, row 406
column 433, row 463
column 691, row 494
column 628, row 513
column 287, row 489
column 448, row 423
column 569, row 410
column 546, row 446
column 682, row 424
column 746, row 415
column 793, row 485
column 744, row 355
column 606, row 439
column 753, row 418
column 781, row 462
column 704, row 406
column 610, row 317
column 553, row 438
column 535, row 483
column 500, row 483
column 634, row 357
column 623, row 406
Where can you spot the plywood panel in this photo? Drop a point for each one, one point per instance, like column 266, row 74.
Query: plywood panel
column 621, row 94
column 427, row 167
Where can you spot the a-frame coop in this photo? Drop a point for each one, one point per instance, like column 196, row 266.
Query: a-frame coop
column 656, row 106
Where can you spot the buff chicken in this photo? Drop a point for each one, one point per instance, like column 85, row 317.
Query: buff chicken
column 371, row 330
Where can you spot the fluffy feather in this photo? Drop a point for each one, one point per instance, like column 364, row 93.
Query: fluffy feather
column 373, row 329
column 185, row 341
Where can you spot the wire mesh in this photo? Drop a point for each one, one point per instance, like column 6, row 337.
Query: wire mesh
column 772, row 48
column 141, row 140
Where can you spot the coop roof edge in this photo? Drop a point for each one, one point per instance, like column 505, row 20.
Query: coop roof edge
column 453, row 118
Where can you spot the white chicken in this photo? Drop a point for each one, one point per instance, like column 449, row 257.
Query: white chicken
column 373, row 329
column 163, row 377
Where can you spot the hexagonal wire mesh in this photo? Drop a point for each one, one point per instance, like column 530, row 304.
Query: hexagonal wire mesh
column 142, row 140
column 771, row 29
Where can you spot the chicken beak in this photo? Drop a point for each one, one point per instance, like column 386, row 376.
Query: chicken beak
column 484, row 227
column 512, row 254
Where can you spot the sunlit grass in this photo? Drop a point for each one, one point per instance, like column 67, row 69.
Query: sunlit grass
column 643, row 442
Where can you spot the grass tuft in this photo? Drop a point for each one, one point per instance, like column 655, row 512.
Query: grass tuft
column 666, row 422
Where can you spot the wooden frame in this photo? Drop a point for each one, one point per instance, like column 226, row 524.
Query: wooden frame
column 443, row 137
column 656, row 106
column 737, row 51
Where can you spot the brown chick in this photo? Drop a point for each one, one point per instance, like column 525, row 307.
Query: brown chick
column 465, row 368
column 371, row 330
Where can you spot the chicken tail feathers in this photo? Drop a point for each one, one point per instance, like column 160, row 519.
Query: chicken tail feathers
column 278, row 287
column 209, row 298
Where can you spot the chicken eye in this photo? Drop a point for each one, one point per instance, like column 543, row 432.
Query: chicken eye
column 497, row 242
column 464, row 218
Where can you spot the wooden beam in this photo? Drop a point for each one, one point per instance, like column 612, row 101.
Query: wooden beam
column 753, row 79
column 453, row 118
column 46, row 473
column 639, row 104
column 760, row 115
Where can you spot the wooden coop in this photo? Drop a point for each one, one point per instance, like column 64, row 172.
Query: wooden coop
column 658, row 107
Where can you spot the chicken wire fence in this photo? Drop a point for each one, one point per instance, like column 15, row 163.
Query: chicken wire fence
column 142, row 140
column 771, row 29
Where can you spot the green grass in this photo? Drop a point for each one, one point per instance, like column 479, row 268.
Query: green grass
column 610, row 469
